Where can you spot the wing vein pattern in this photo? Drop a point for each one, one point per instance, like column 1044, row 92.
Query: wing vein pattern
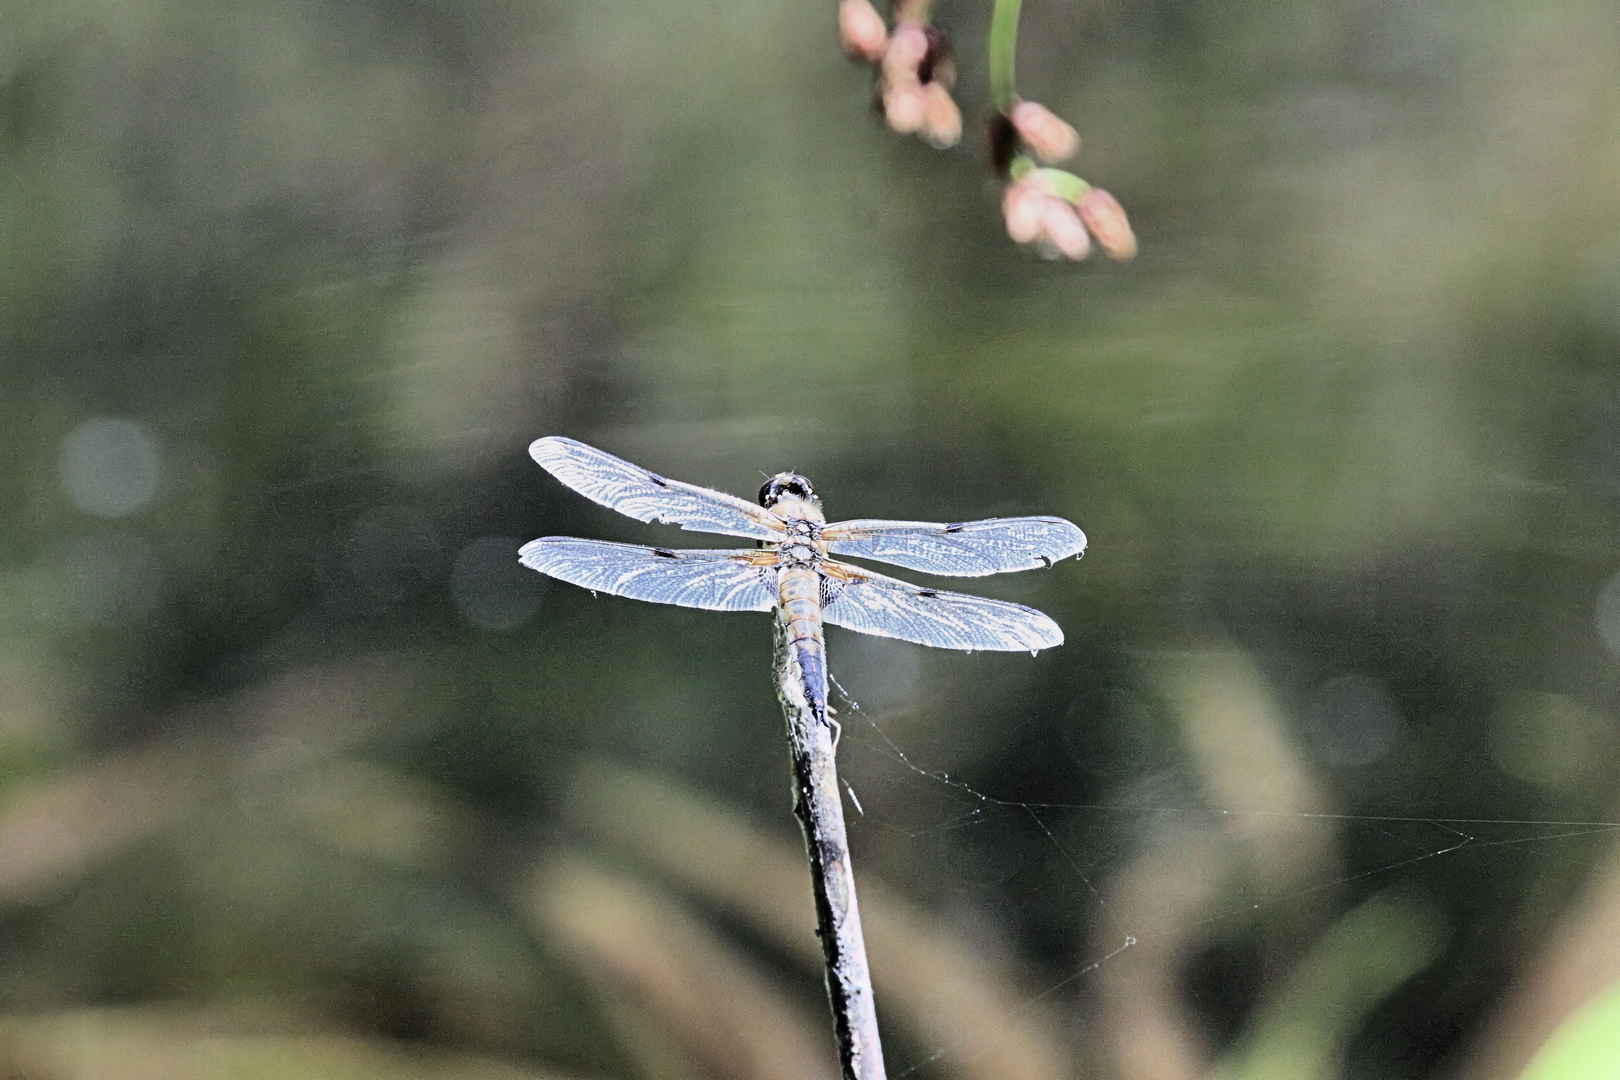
column 874, row 604
column 964, row 549
column 712, row 580
column 646, row 496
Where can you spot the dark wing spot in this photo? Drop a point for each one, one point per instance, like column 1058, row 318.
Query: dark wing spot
column 927, row 592
column 955, row 528
column 659, row 480
column 1045, row 560
column 664, row 553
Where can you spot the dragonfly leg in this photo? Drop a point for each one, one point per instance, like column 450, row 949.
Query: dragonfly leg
column 837, row 729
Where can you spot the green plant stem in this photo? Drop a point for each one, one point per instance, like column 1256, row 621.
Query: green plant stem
column 1003, row 47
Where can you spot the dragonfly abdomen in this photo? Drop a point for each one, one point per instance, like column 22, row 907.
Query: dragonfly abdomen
column 799, row 590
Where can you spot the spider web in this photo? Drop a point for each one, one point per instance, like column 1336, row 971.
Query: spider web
column 1402, row 843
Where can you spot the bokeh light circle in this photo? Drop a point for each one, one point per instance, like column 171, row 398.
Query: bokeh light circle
column 1606, row 614
column 109, row 467
column 490, row 588
column 1551, row 740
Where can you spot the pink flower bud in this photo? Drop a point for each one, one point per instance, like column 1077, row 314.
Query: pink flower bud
column 1106, row 219
column 1023, row 204
column 942, row 120
column 862, row 29
column 907, row 47
column 905, row 105
column 1062, row 228
column 1047, row 136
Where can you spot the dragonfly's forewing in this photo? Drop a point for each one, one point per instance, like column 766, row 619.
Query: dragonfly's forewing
column 714, row 580
column 873, row 604
column 963, row 549
column 646, row 496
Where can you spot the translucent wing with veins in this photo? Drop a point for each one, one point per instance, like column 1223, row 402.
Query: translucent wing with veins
column 747, row 579
column 873, row 604
column 646, row 496
column 964, row 549
column 714, row 580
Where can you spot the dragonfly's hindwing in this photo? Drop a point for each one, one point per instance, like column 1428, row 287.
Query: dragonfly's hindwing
column 646, row 496
column 747, row 580
column 712, row 580
column 874, row 604
column 964, row 549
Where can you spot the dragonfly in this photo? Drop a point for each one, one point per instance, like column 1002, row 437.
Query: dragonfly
column 791, row 570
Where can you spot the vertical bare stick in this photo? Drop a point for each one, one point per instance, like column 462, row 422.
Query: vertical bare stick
column 820, row 811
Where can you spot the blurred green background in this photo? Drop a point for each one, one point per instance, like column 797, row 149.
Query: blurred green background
column 301, row 775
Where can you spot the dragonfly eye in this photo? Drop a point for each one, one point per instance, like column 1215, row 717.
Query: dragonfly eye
column 785, row 486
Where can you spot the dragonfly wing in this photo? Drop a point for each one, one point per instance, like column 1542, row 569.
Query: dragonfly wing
column 713, row 580
column 646, row 496
column 963, row 549
column 873, row 604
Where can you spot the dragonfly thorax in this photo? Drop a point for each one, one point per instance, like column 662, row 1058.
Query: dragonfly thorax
column 803, row 524
column 798, row 552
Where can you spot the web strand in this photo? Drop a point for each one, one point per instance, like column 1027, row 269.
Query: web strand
column 1447, row 837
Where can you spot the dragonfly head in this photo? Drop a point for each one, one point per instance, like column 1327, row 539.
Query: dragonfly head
column 787, row 485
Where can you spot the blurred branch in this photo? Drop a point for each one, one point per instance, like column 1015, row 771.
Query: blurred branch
column 819, row 806
column 1585, row 1045
column 679, row 992
column 1303, row 1027
column 53, row 830
column 372, row 810
column 169, row 1044
column 639, row 941
column 948, row 997
column 1238, row 740
column 1165, row 893
column 1579, row 962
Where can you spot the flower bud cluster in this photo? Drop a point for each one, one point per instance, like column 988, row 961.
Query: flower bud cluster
column 916, row 72
column 1061, row 214
column 1043, row 132
column 864, row 33
column 1053, row 209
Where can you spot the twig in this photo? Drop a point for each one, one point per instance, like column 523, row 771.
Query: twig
column 820, row 811
column 1003, row 48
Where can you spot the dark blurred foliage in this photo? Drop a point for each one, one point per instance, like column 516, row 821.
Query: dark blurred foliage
column 298, row 766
